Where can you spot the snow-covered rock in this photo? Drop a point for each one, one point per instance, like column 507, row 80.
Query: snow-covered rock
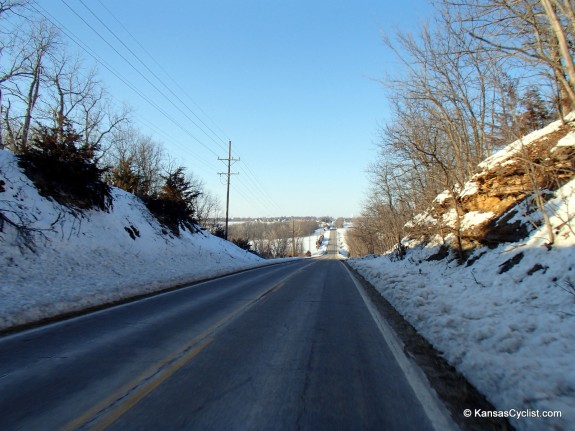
column 543, row 159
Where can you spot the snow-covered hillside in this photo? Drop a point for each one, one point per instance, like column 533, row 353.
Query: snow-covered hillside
column 62, row 260
column 505, row 318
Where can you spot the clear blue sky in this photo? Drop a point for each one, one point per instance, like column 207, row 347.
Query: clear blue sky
column 292, row 83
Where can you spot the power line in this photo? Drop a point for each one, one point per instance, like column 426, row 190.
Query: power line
column 257, row 185
column 117, row 74
column 139, row 72
column 155, row 76
column 251, row 175
column 49, row 17
column 254, row 189
column 255, row 182
column 164, row 71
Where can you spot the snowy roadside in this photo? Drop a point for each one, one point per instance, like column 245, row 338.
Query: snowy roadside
column 506, row 321
column 69, row 261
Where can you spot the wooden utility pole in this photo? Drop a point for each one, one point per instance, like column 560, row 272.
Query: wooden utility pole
column 229, row 174
column 293, row 238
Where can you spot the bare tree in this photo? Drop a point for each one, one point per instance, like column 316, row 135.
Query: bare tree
column 137, row 161
column 275, row 239
column 447, row 107
column 41, row 84
column 391, row 201
column 23, row 80
column 77, row 95
column 364, row 237
column 208, row 209
column 10, row 68
column 536, row 33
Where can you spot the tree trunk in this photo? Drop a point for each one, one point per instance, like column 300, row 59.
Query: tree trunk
column 566, row 58
column 33, row 94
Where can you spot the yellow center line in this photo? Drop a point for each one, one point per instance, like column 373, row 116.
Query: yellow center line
column 107, row 411
column 130, row 402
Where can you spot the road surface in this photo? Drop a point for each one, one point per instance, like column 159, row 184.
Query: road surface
column 332, row 248
column 285, row 347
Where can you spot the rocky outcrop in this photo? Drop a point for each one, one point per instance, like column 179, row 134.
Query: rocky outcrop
column 488, row 203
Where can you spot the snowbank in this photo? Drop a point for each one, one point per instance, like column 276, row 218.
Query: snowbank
column 67, row 260
column 506, row 320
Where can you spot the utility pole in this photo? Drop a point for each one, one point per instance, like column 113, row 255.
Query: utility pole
column 293, row 237
column 229, row 174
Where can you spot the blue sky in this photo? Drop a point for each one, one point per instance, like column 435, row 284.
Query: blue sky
column 293, row 84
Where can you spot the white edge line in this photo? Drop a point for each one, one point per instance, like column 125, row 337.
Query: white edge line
column 433, row 407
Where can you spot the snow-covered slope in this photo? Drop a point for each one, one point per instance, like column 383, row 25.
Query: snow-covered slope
column 505, row 318
column 63, row 260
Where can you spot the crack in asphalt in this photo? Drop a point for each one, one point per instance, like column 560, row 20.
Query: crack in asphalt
column 306, row 385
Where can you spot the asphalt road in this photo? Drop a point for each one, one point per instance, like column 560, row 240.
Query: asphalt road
column 332, row 249
column 285, row 347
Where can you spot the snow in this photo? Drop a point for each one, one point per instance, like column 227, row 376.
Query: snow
column 511, row 333
column 423, row 218
column 73, row 260
column 342, row 247
column 442, row 197
column 502, row 156
column 567, row 141
column 470, row 188
column 474, row 218
column 509, row 328
column 309, row 243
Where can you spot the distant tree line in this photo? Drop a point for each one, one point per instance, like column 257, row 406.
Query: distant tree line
column 273, row 239
column 71, row 139
column 479, row 75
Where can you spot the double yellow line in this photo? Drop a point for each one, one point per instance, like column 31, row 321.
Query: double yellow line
column 110, row 409
column 107, row 411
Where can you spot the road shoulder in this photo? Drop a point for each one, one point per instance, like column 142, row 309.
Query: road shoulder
column 456, row 393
